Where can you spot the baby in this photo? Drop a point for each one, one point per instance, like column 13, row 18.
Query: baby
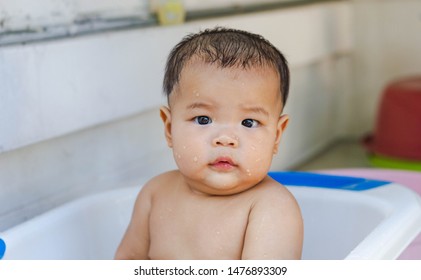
column 226, row 91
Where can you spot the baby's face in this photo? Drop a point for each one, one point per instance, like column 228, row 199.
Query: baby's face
column 224, row 126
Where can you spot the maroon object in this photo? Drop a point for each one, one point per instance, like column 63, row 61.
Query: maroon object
column 398, row 128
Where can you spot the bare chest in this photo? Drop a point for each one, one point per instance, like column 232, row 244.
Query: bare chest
column 197, row 230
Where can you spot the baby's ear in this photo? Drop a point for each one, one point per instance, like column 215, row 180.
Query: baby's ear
column 282, row 125
column 165, row 113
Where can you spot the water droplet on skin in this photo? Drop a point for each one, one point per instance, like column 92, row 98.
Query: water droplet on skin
column 248, row 172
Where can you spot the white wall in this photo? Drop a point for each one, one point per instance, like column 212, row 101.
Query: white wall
column 20, row 15
column 80, row 115
column 387, row 47
column 57, row 87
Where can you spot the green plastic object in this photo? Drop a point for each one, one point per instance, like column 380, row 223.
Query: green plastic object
column 390, row 162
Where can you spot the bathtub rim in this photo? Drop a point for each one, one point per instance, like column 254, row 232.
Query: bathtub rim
column 384, row 233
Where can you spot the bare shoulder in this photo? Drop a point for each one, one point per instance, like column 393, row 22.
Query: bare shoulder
column 273, row 197
column 160, row 182
column 135, row 243
column 154, row 188
column 275, row 228
column 270, row 191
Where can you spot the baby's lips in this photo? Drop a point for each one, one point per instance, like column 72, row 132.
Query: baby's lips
column 224, row 160
column 223, row 164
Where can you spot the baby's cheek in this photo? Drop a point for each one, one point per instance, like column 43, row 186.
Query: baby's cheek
column 186, row 157
column 258, row 161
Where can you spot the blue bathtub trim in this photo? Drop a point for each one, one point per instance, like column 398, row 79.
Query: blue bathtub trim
column 2, row 248
column 308, row 179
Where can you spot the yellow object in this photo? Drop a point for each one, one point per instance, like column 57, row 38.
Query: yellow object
column 170, row 12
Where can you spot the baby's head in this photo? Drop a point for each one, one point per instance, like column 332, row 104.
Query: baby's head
column 226, row 90
column 226, row 48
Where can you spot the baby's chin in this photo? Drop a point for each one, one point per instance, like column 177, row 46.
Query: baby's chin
column 224, row 185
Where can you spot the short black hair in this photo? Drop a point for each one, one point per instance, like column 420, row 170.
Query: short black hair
column 227, row 48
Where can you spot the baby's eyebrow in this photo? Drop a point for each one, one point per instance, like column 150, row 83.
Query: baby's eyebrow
column 199, row 105
column 256, row 109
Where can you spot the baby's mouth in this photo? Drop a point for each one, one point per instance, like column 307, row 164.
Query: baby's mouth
column 223, row 164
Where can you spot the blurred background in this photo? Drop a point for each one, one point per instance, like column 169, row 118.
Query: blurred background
column 80, row 86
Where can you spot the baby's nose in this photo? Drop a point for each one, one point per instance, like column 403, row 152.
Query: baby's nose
column 226, row 141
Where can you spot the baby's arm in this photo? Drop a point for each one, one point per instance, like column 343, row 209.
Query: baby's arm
column 275, row 227
column 135, row 243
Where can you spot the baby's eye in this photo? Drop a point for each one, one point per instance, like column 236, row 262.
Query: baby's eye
column 250, row 123
column 202, row 120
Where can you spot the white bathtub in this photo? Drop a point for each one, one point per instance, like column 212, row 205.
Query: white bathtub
column 344, row 218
